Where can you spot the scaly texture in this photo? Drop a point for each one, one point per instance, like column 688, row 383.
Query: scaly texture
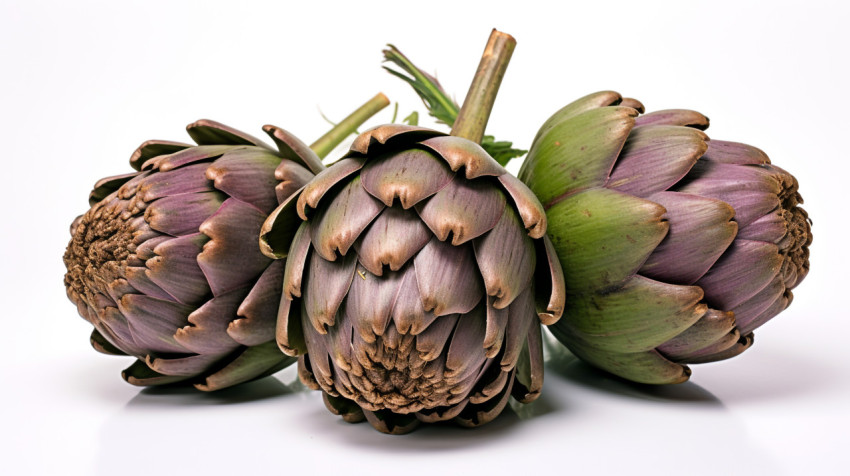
column 166, row 266
column 674, row 247
column 416, row 281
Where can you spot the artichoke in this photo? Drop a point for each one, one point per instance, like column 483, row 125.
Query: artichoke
column 414, row 285
column 674, row 247
column 165, row 265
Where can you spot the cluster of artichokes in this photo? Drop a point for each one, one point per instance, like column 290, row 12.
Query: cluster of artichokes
column 411, row 279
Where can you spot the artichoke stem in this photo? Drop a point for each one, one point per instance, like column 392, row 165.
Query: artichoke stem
column 325, row 144
column 472, row 118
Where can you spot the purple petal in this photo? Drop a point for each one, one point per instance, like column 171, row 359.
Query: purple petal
column 674, row 117
column 700, row 231
column 279, row 228
column 144, row 250
column 506, row 259
column 522, row 315
column 232, row 257
column 460, row 152
column 530, row 209
column 288, row 331
column 140, row 374
column 114, row 326
column 753, row 191
column 187, row 180
column 258, row 311
column 206, row 332
column 392, row 239
column 755, row 307
column 466, row 351
column 138, row 278
column 339, row 223
column 477, row 415
column 408, row 314
column 770, row 228
column 294, row 273
column 339, row 338
column 292, row 148
column 529, row 370
column 327, row 284
column 431, row 342
column 448, row 278
column 103, row 344
column 175, row 269
column 208, row 132
column 725, row 348
column 183, row 214
column 105, row 186
column 494, row 335
column 709, row 329
column 370, row 302
column 249, row 364
column 153, row 322
column 745, row 268
column 775, row 308
column 550, row 289
column 319, row 358
column 734, row 153
column 466, row 209
column 316, row 189
column 182, row 366
column 493, row 381
column 411, row 176
column 247, row 174
column 381, row 134
column 656, row 157
column 292, row 178
column 634, row 104
column 154, row 148
column 198, row 157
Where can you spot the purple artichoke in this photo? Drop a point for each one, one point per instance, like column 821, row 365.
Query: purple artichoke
column 412, row 291
column 165, row 265
column 675, row 248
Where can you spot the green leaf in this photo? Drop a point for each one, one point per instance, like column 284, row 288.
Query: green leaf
column 440, row 106
column 502, row 151
column 412, row 119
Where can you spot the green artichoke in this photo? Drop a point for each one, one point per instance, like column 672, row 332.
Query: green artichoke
column 414, row 285
column 165, row 265
column 674, row 247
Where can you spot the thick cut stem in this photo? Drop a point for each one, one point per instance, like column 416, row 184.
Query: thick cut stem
column 325, row 144
column 473, row 116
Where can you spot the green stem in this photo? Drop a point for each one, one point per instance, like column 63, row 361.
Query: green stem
column 325, row 144
column 472, row 118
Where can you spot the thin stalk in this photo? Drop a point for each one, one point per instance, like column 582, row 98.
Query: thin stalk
column 475, row 112
column 325, row 144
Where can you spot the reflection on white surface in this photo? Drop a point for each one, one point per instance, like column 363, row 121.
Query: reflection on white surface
column 585, row 420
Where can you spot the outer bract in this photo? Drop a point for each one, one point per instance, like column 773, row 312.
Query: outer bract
column 674, row 247
column 411, row 284
column 166, row 267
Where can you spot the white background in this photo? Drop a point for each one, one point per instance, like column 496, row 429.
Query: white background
column 83, row 83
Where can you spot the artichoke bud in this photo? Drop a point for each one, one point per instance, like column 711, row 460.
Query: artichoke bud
column 165, row 264
column 415, row 281
column 674, row 247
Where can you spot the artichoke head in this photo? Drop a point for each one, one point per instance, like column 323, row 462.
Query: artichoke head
column 416, row 281
column 674, row 247
column 165, row 264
